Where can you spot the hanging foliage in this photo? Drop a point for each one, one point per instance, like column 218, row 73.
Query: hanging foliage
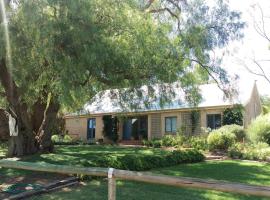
column 110, row 127
column 233, row 115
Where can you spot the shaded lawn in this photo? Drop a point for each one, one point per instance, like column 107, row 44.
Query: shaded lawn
column 97, row 190
column 71, row 155
column 234, row 171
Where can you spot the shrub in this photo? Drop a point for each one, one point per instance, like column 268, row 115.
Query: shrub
column 259, row 151
column 156, row 143
column 236, row 150
column 237, row 130
column 110, row 127
column 56, row 138
column 197, row 142
column 168, row 141
column 233, row 115
column 67, row 139
column 220, row 140
column 259, row 129
column 146, row 162
column 62, row 140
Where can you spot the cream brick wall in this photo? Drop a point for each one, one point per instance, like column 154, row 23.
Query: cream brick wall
column 77, row 127
column 205, row 112
column 170, row 114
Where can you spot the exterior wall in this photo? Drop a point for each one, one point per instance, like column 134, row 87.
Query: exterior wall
column 170, row 114
column 99, row 127
column 77, row 127
column 205, row 112
column 155, row 129
column 187, row 125
column 253, row 108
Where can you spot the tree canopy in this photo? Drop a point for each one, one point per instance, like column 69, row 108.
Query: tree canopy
column 65, row 51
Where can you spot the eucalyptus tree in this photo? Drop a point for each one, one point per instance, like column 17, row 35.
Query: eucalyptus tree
column 65, row 51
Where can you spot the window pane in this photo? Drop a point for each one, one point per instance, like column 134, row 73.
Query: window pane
column 217, row 121
column 173, row 124
column 210, row 121
column 168, row 127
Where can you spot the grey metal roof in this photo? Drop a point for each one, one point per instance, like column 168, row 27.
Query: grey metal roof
column 109, row 101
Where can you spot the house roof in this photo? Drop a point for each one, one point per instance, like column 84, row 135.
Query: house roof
column 109, row 101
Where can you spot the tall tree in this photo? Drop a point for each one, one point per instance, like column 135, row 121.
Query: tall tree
column 66, row 51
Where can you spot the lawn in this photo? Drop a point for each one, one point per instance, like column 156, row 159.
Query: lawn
column 234, row 171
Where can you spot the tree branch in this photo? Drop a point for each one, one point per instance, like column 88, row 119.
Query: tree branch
column 209, row 72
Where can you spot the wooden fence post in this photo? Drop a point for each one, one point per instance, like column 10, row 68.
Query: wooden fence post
column 111, row 185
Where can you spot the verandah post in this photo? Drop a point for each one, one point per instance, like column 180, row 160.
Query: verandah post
column 111, row 185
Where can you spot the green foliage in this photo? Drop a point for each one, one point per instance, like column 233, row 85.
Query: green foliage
column 220, row 140
column 195, row 117
column 259, row 129
column 259, row 151
column 237, row 130
column 168, row 141
column 62, row 139
column 147, row 162
column 196, row 142
column 156, row 143
column 110, row 127
column 265, row 104
column 112, row 44
column 233, row 115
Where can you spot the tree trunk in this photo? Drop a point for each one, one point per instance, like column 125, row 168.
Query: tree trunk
column 34, row 129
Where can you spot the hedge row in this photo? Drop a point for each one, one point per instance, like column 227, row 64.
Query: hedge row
column 146, row 162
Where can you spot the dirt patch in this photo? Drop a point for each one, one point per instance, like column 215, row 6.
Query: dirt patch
column 35, row 178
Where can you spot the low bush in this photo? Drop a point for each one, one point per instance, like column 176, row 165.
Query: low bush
column 63, row 139
column 196, row 142
column 156, row 143
column 259, row 129
column 259, row 151
column 220, row 140
column 146, row 162
column 237, row 130
column 168, row 141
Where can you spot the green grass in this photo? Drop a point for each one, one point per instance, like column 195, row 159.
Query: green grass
column 73, row 155
column 3, row 150
column 97, row 190
column 233, row 171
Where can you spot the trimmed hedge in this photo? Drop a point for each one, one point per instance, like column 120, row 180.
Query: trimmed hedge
column 146, row 162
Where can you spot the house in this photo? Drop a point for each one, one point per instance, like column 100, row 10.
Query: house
column 154, row 120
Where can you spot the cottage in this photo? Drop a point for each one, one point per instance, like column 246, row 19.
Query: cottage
column 154, row 120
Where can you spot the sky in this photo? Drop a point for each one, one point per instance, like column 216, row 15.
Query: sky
column 252, row 46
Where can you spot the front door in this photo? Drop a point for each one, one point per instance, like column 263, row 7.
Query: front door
column 127, row 129
column 91, row 128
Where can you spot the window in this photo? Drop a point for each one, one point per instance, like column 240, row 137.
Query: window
column 214, row 121
column 170, row 124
